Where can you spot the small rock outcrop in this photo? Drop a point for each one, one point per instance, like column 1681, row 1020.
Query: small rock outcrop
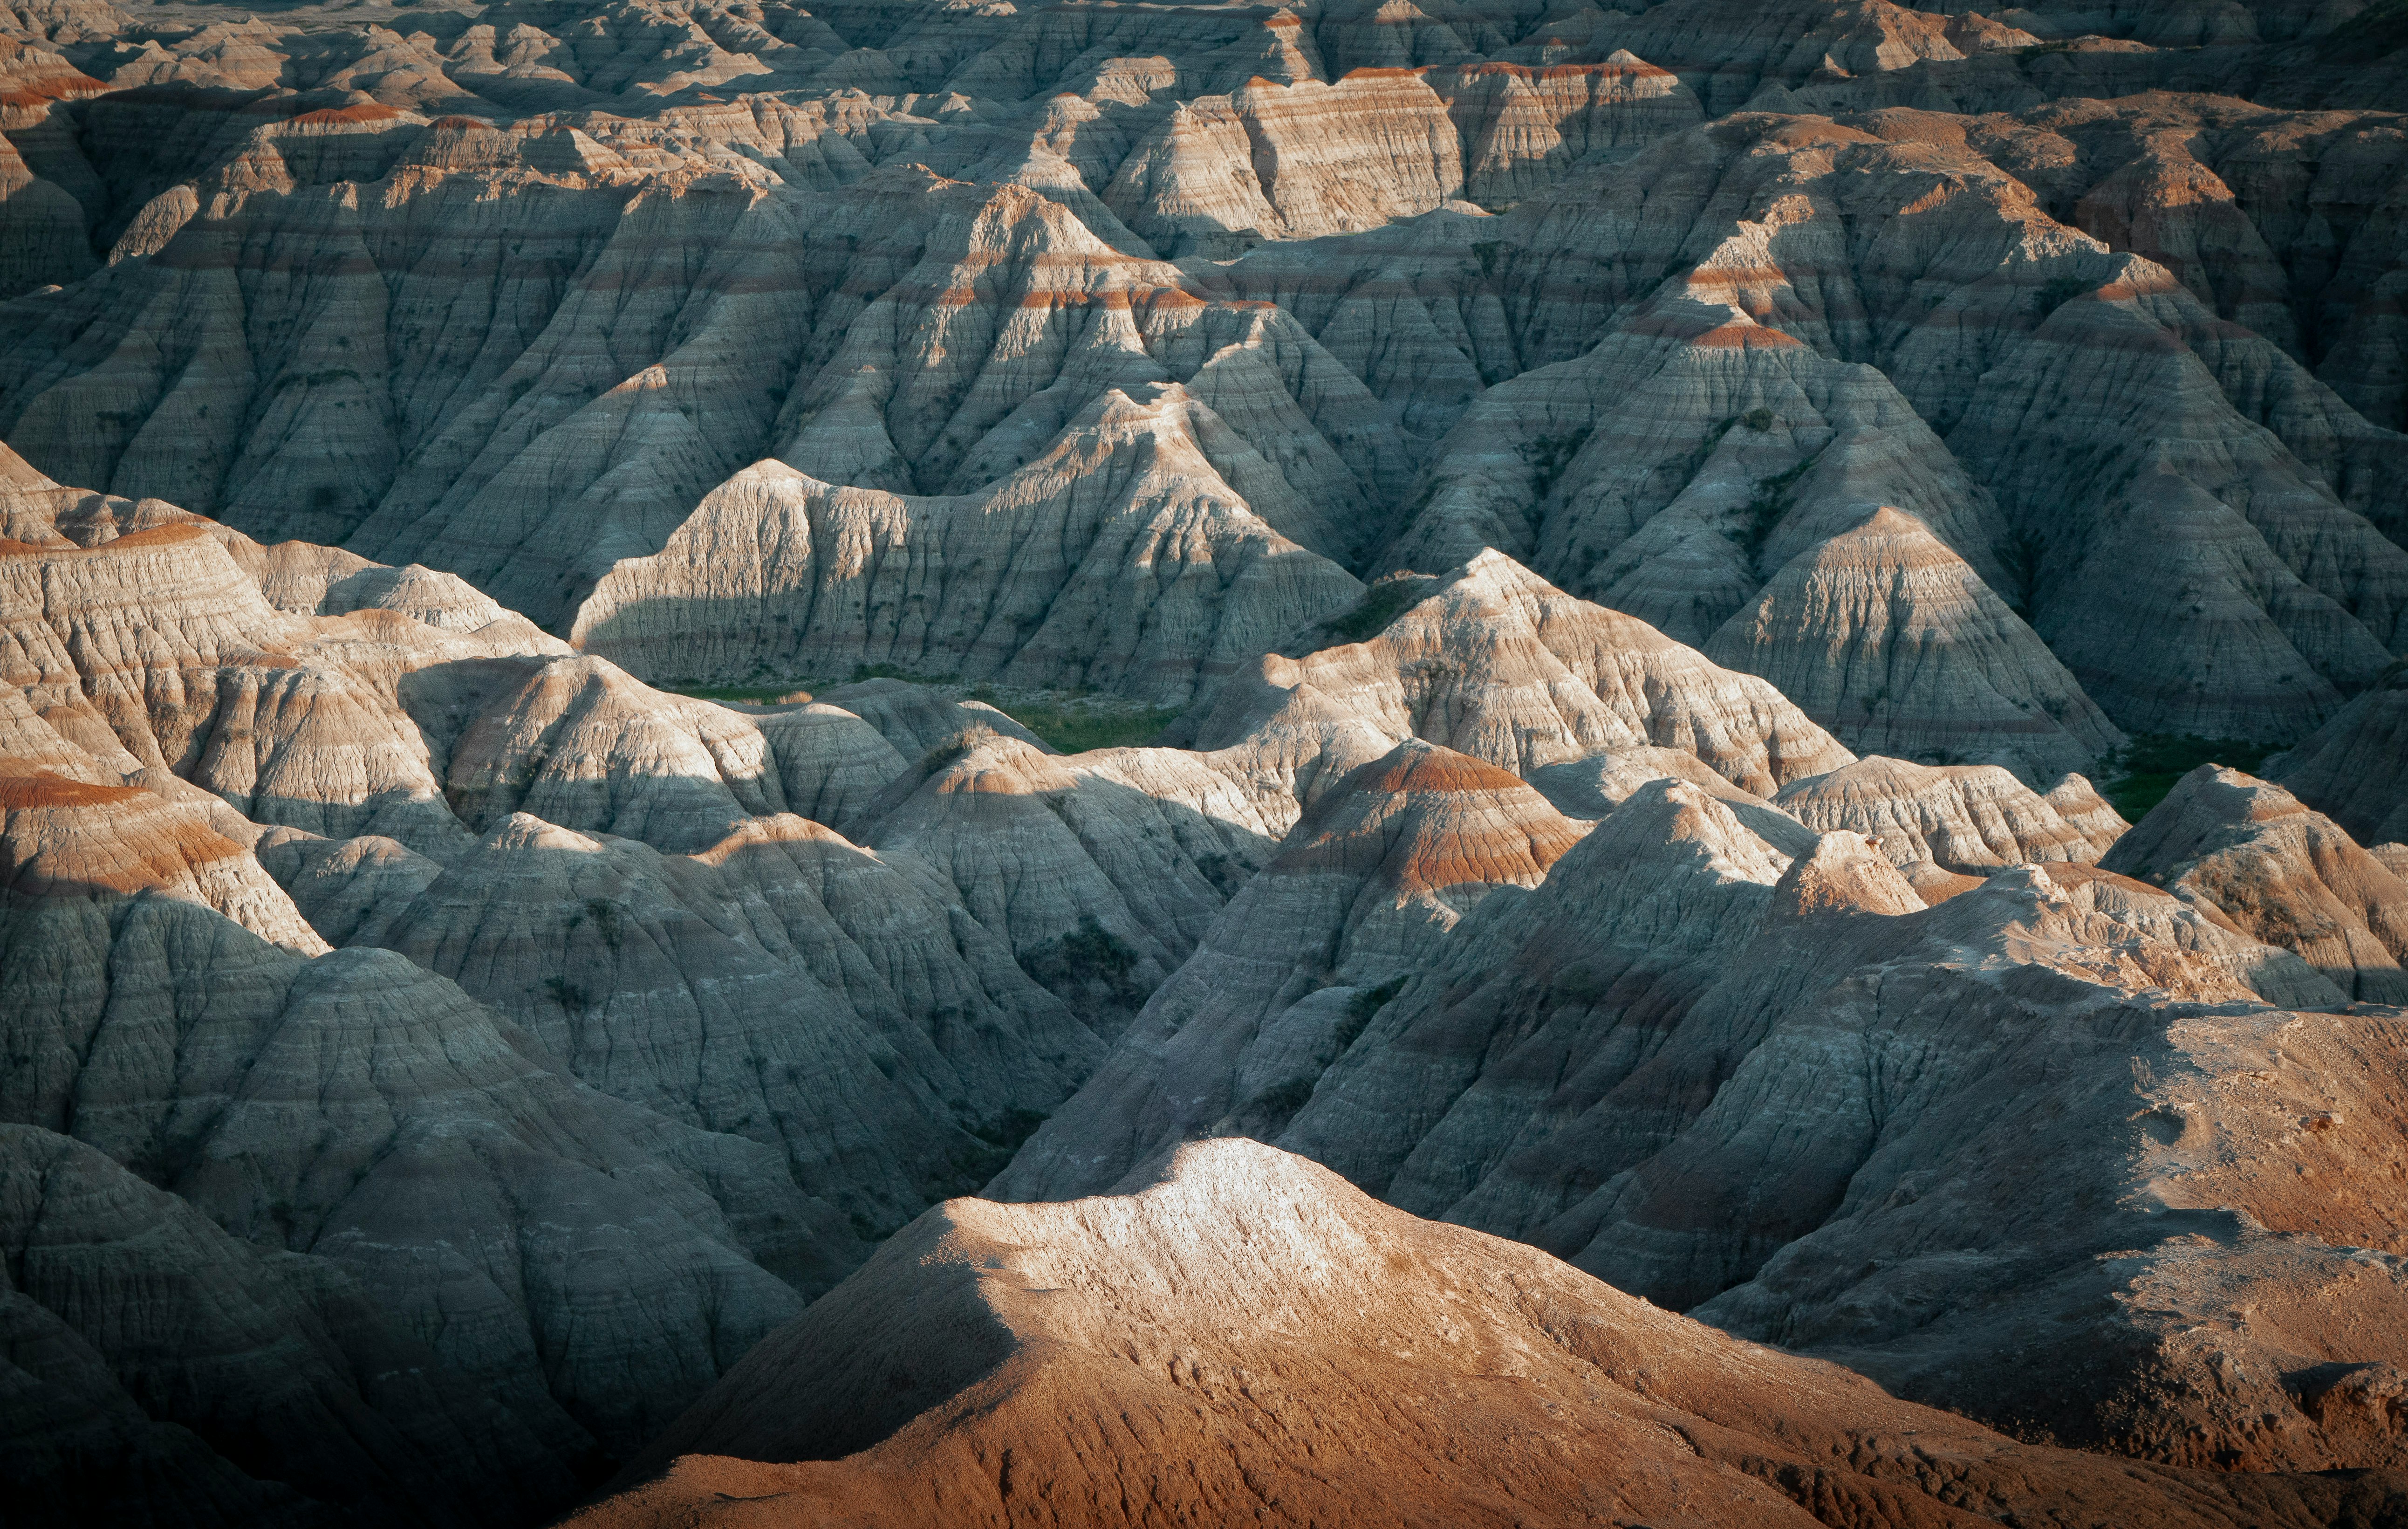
column 1945, row 825
column 2355, row 768
column 2250, row 854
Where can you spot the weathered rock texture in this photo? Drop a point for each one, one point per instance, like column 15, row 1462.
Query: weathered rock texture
column 568, row 1120
column 1494, row 662
column 1942, row 825
column 558, row 301
column 1762, row 1075
column 2355, row 768
column 1253, row 1337
column 2250, row 853
column 1652, row 519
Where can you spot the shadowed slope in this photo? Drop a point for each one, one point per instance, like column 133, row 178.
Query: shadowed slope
column 1252, row 1338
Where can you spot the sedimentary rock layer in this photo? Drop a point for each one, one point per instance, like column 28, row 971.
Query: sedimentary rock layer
column 1253, row 1335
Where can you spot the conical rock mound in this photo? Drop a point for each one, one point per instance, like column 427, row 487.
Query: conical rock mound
column 2355, row 768
column 1495, row 662
column 1942, row 823
column 1890, row 639
column 1253, row 1337
column 1382, row 864
column 2249, row 853
column 1120, row 557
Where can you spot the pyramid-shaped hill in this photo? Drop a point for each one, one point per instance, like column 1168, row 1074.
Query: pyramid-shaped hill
column 1252, row 1338
column 1886, row 637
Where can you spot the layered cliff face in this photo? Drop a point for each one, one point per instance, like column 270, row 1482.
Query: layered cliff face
column 2249, row 852
column 1617, row 558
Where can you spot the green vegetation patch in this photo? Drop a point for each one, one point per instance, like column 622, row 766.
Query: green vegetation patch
column 1088, row 967
column 1381, row 604
column 1361, row 1009
column 897, row 672
column 1076, row 726
column 2137, row 776
column 1771, row 502
column 754, row 695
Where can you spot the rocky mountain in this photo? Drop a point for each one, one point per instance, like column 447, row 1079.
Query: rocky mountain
column 1298, row 1348
column 1486, row 679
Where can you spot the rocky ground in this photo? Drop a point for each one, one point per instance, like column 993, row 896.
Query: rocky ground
column 640, row 644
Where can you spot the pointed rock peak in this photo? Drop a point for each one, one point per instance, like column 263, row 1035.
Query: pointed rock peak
column 1593, row 785
column 1665, row 819
column 524, row 831
column 1149, row 403
column 1847, row 873
column 652, row 379
column 1415, row 766
column 1889, row 636
column 2208, row 809
column 1423, row 819
column 2080, row 804
column 1888, row 520
column 778, row 829
column 1773, row 96
column 980, row 762
column 1025, row 225
column 1495, row 570
column 18, row 473
column 1960, row 817
column 1888, row 541
column 2213, row 808
column 2281, row 873
column 1496, row 583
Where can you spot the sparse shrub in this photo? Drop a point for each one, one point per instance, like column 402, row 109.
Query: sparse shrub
column 953, row 750
column 605, row 915
column 1548, row 457
column 1076, row 729
column 1090, row 968
column 2057, row 291
column 1381, row 604
column 1769, row 503
column 1361, row 1009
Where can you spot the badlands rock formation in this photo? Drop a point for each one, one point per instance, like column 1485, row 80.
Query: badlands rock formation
column 602, row 311
column 2355, row 768
column 1251, row 1336
column 2250, row 852
column 1948, row 826
column 1654, row 532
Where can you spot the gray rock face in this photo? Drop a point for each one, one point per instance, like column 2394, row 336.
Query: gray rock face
column 676, row 1090
column 1712, row 1070
column 166, row 1372
column 1286, row 977
column 1649, row 521
column 2355, row 768
column 774, row 568
column 2249, row 854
